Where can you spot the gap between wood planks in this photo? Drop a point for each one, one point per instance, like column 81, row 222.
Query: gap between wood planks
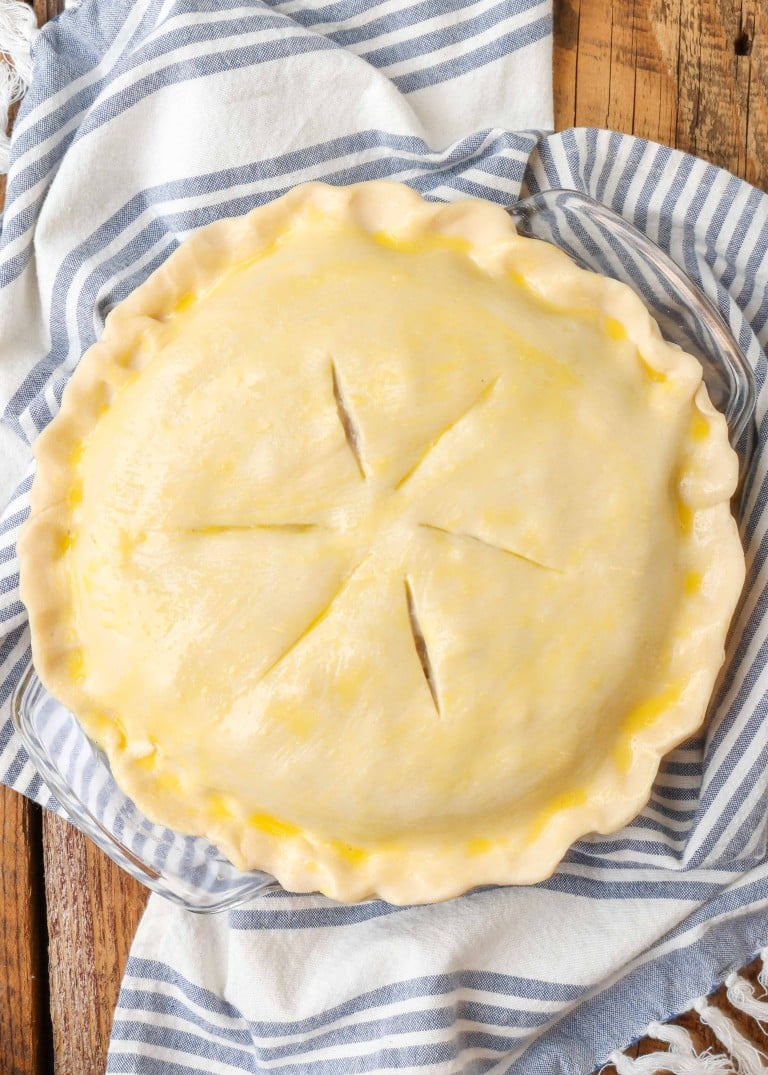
column 25, row 1025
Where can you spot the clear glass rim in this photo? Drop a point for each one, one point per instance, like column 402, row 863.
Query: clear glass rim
column 741, row 408
column 84, row 819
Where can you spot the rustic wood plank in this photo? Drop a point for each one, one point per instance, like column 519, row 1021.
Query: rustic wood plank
column 24, row 1023
column 564, row 60
column 93, row 911
column 693, row 75
column 47, row 9
column 751, row 48
column 622, row 69
column 656, row 50
column 709, row 123
column 593, row 71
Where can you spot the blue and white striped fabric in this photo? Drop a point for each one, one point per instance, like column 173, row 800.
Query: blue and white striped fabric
column 147, row 120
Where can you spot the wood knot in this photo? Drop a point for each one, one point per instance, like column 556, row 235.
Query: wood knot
column 742, row 46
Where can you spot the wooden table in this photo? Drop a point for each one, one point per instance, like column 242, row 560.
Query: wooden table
column 690, row 73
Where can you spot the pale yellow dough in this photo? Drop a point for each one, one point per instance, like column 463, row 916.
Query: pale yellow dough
column 385, row 548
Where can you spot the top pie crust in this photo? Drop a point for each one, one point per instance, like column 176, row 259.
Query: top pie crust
column 382, row 546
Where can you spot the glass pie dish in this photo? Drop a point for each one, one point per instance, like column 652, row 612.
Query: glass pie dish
column 598, row 239
column 189, row 870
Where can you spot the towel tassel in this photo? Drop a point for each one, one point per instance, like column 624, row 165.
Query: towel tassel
column 749, row 1059
column 762, row 976
column 743, row 996
column 18, row 29
column 682, row 1058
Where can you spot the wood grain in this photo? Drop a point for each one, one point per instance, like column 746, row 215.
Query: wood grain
column 690, row 73
column 47, row 9
column 24, row 1022
column 93, row 911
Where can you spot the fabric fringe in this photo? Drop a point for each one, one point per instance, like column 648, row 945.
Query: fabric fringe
column 677, row 1038
column 742, row 996
column 682, row 1058
column 762, row 976
column 749, row 1059
column 18, row 29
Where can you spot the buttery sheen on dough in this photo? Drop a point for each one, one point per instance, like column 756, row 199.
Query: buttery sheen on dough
column 384, row 547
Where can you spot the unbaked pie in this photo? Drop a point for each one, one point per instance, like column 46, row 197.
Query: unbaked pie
column 385, row 548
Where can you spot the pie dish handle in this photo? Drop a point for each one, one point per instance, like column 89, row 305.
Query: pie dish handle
column 600, row 240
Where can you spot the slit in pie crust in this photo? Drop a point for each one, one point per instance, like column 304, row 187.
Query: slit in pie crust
column 383, row 547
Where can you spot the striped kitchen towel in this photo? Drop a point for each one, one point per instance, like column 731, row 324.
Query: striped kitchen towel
column 147, row 120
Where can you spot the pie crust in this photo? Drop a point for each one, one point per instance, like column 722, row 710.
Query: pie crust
column 385, row 548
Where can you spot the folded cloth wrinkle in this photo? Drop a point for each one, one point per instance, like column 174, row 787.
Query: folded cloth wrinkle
column 147, row 120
